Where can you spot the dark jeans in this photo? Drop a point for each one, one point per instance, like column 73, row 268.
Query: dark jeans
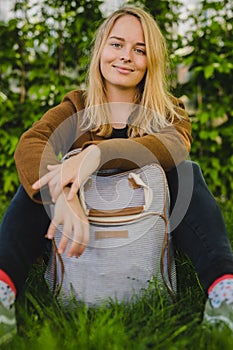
column 198, row 229
column 197, row 225
column 22, row 237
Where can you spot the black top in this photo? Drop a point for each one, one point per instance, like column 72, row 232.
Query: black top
column 120, row 133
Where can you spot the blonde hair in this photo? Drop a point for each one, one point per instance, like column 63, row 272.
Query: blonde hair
column 153, row 99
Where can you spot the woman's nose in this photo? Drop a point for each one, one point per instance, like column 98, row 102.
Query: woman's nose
column 125, row 56
column 125, row 59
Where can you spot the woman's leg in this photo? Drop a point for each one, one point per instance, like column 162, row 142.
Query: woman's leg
column 22, row 237
column 198, row 230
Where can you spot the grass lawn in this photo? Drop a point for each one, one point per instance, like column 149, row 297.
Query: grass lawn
column 154, row 322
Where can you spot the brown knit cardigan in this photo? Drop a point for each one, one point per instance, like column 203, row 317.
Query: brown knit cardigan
column 59, row 131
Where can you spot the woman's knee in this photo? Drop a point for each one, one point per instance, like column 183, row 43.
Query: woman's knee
column 192, row 170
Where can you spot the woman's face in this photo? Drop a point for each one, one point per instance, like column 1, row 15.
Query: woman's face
column 123, row 61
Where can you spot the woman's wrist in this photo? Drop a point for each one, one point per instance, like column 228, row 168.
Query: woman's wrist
column 91, row 157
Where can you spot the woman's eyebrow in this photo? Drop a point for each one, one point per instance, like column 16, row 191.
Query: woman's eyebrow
column 122, row 39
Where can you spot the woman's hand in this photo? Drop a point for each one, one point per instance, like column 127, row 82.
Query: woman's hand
column 75, row 225
column 73, row 171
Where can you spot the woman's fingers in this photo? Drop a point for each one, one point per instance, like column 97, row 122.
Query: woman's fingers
column 74, row 170
column 75, row 229
column 77, row 241
column 55, row 190
column 42, row 181
column 45, row 179
column 52, row 167
column 80, row 239
column 55, row 180
column 73, row 190
column 66, row 234
column 51, row 230
column 62, row 176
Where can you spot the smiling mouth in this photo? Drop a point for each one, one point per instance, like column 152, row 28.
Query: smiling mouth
column 123, row 69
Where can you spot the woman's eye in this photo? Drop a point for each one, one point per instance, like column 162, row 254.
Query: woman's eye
column 140, row 51
column 116, row 45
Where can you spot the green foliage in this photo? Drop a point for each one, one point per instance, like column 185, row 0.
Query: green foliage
column 167, row 15
column 44, row 52
column 210, row 90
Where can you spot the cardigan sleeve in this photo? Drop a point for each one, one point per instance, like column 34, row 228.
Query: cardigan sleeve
column 41, row 145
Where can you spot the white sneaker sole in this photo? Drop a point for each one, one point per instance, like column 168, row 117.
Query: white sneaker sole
column 220, row 318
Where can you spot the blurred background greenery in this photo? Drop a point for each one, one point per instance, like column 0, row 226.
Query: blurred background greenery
column 45, row 49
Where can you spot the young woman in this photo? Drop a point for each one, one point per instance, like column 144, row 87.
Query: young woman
column 125, row 118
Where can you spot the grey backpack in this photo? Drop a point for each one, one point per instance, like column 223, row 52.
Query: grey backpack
column 129, row 244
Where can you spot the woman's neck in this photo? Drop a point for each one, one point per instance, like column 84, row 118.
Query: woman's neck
column 121, row 95
column 121, row 102
column 119, row 114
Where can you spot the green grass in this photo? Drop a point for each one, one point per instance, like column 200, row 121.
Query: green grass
column 154, row 322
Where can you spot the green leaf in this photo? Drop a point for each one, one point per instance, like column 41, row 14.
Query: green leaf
column 208, row 71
